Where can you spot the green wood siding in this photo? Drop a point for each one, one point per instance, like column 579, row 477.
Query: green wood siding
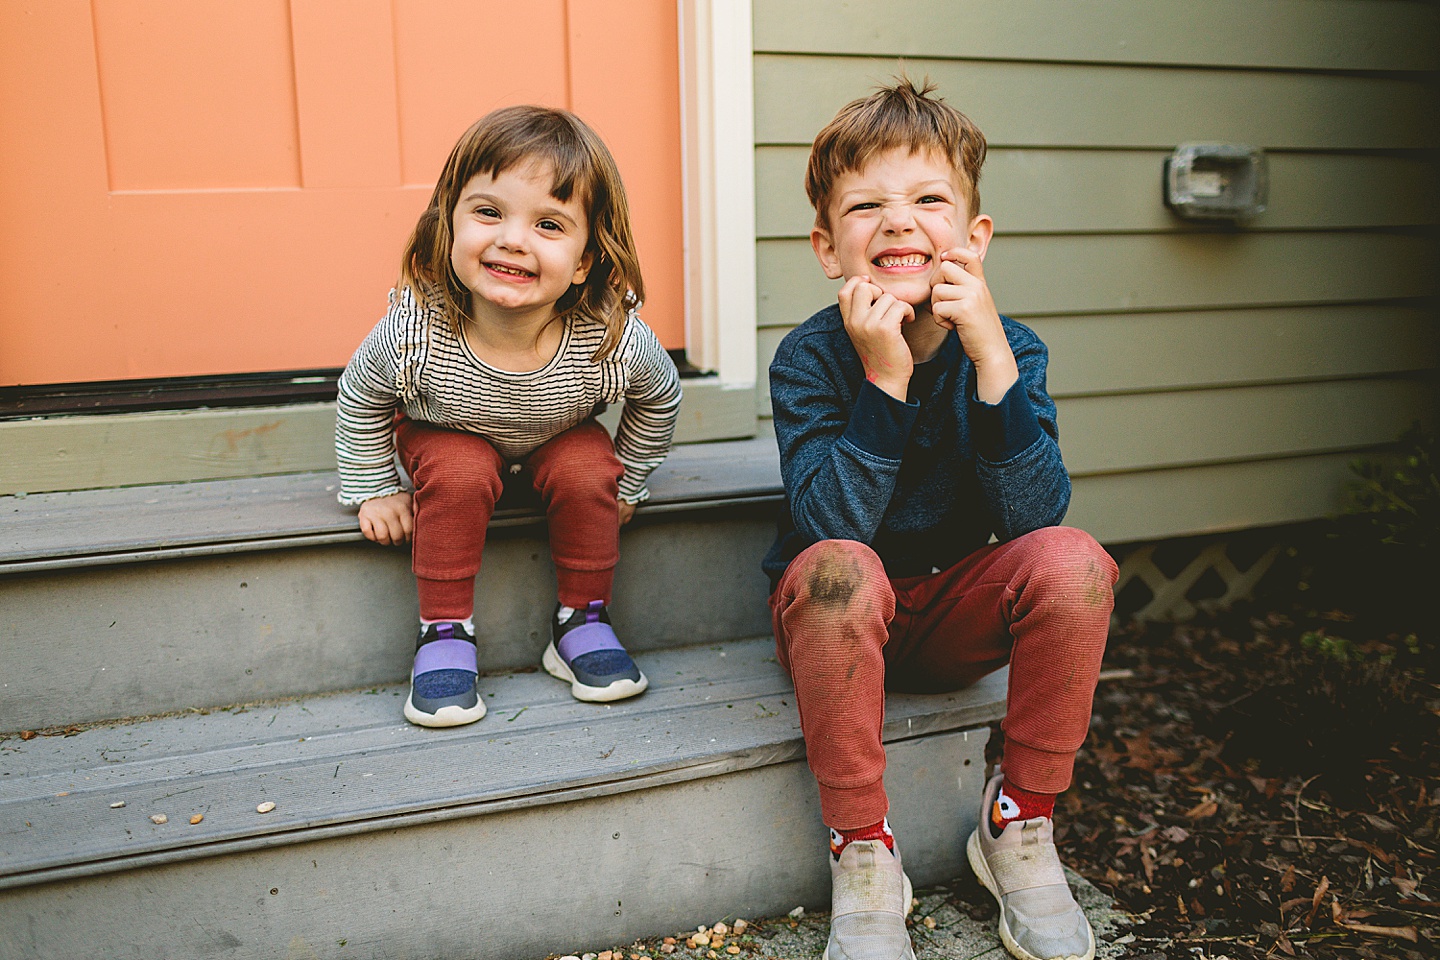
column 1208, row 378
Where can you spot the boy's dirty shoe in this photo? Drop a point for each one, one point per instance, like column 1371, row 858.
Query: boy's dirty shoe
column 586, row 654
column 442, row 682
column 869, row 898
column 1039, row 918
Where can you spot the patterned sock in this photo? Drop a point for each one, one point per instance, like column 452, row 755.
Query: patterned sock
column 1014, row 803
column 840, row 839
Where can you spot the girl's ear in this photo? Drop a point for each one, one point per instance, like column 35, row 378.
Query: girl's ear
column 824, row 247
column 582, row 269
column 982, row 228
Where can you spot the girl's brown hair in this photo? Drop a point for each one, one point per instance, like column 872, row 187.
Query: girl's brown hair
column 581, row 166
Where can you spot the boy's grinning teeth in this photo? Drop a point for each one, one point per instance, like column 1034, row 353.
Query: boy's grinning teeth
column 909, row 260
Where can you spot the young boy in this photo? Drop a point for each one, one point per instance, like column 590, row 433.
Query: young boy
column 913, row 424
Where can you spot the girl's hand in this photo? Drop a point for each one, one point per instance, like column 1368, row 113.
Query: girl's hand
column 388, row 520
column 627, row 512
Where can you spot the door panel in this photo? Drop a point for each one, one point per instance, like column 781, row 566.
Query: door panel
column 206, row 187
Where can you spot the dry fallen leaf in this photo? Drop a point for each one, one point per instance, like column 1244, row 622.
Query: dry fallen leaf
column 197, row 818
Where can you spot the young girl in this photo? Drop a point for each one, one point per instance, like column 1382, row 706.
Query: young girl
column 512, row 325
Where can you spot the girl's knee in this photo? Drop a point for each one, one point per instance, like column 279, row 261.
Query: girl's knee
column 459, row 481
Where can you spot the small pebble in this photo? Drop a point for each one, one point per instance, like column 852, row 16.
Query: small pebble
column 797, row 913
column 571, row 957
column 265, row 807
column 712, row 955
column 669, row 940
column 667, row 947
column 27, row 734
column 732, row 949
column 929, row 923
column 159, row 818
column 117, row 804
column 740, row 926
column 914, row 902
column 720, row 928
column 604, row 955
column 691, row 943
column 197, row 818
column 703, row 939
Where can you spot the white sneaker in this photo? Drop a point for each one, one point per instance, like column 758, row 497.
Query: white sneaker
column 1039, row 918
column 869, row 898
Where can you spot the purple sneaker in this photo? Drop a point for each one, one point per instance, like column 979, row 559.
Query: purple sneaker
column 442, row 683
column 586, row 654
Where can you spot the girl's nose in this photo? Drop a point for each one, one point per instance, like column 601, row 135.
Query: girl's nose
column 512, row 235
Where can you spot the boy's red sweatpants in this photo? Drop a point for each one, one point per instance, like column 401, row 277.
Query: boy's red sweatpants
column 458, row 477
column 845, row 631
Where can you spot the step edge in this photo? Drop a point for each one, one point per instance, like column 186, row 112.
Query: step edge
column 964, row 717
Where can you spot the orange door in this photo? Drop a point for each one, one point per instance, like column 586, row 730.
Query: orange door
column 193, row 187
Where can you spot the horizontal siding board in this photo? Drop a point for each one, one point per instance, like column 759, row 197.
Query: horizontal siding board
column 1166, row 351
column 1086, row 191
column 1143, row 352
column 1036, row 104
column 1144, row 431
column 1298, row 34
column 1157, row 504
column 1140, row 272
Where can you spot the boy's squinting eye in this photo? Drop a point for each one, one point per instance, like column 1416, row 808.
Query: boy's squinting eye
column 863, row 205
column 932, row 198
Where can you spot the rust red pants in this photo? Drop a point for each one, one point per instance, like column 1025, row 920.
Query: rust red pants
column 458, row 477
column 845, row 631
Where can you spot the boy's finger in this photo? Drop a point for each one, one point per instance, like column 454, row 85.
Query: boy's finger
column 968, row 259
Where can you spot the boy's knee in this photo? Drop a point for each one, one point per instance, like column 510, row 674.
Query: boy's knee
column 840, row 575
column 1068, row 564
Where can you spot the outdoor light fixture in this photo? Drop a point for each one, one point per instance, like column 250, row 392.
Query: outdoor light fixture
column 1216, row 181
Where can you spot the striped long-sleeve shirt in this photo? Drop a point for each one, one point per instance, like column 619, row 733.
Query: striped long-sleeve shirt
column 412, row 361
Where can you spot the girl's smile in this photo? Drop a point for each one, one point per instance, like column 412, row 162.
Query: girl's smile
column 517, row 248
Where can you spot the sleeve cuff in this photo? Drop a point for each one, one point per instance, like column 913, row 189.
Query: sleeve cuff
column 1006, row 429
column 880, row 425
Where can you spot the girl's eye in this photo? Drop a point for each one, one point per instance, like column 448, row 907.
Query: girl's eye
column 490, row 212
column 550, row 226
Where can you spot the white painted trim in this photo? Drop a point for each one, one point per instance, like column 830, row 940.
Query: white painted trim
column 718, row 136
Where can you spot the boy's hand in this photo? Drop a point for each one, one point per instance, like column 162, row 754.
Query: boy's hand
column 388, row 520
column 961, row 301
column 874, row 320
column 627, row 512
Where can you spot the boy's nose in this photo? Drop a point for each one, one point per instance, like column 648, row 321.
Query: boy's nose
column 898, row 219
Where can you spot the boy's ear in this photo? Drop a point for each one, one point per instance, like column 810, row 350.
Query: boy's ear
column 582, row 269
column 824, row 248
column 982, row 228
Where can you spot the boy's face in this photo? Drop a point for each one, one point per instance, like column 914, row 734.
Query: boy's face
column 892, row 221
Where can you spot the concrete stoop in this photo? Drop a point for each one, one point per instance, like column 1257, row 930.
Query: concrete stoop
column 549, row 816
column 549, row 821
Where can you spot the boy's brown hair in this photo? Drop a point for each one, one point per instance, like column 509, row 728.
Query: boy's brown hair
column 899, row 115
column 580, row 165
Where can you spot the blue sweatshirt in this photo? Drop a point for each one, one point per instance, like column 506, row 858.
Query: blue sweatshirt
column 923, row 483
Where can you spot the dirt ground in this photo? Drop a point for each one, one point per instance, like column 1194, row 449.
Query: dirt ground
column 1266, row 782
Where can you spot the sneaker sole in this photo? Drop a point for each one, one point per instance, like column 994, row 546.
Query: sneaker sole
column 976, row 857
column 909, row 906
column 451, row 716
column 618, row 690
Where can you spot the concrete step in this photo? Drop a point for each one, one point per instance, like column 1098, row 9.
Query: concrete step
column 548, row 820
column 143, row 600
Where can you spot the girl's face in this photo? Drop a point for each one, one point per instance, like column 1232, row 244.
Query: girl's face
column 516, row 247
